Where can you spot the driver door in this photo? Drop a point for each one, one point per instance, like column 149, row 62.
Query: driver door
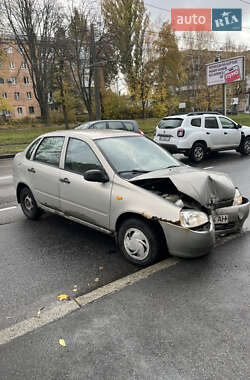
column 85, row 200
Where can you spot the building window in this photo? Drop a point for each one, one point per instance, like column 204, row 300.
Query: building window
column 31, row 110
column 16, row 95
column 26, row 80
column 19, row 110
column 7, row 113
column 9, row 49
column 1, row 81
column 23, row 65
column 29, row 95
column 4, row 95
column 12, row 65
column 13, row 80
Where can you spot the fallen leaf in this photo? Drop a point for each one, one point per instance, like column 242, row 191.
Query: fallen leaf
column 39, row 311
column 63, row 297
column 62, row 342
column 96, row 279
column 88, row 284
column 101, row 267
column 75, row 288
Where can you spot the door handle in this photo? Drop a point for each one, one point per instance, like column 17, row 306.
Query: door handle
column 31, row 170
column 225, row 133
column 64, row 180
column 208, row 133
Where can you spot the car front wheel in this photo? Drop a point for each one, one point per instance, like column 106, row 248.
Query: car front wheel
column 139, row 241
column 28, row 204
column 245, row 147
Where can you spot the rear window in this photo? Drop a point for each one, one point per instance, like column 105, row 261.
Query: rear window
column 170, row 123
column 196, row 122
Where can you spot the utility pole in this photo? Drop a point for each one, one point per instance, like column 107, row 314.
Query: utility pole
column 96, row 76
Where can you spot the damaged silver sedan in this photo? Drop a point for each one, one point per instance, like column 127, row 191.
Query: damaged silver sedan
column 127, row 186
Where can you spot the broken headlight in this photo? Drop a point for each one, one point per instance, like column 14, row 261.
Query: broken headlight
column 192, row 218
column 237, row 198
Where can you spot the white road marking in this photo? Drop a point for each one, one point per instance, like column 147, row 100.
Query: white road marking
column 8, row 208
column 62, row 309
column 209, row 167
column 6, row 177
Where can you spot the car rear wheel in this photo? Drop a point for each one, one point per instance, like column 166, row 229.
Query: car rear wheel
column 28, row 204
column 139, row 241
column 198, row 152
column 245, row 147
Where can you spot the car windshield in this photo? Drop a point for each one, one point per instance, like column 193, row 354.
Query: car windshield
column 83, row 126
column 170, row 123
column 131, row 155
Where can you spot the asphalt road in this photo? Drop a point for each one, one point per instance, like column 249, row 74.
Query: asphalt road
column 40, row 260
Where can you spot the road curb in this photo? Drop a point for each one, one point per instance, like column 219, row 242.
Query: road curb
column 4, row 156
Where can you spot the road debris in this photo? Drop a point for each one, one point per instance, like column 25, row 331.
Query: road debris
column 62, row 342
column 63, row 297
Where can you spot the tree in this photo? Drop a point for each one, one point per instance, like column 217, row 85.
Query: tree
column 169, row 73
column 128, row 23
column 33, row 24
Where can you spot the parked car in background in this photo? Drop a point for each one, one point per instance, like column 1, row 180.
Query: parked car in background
column 105, row 180
column 126, row 125
column 197, row 133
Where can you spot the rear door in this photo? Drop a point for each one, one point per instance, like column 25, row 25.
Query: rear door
column 45, row 173
column 232, row 135
column 214, row 132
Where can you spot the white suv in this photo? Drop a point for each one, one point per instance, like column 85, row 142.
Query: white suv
column 197, row 133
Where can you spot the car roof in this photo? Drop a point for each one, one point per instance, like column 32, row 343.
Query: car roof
column 97, row 121
column 92, row 134
column 192, row 114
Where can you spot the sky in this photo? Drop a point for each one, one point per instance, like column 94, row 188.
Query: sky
column 241, row 37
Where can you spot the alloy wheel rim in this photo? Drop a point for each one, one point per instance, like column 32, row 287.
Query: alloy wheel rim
column 198, row 153
column 136, row 244
column 247, row 146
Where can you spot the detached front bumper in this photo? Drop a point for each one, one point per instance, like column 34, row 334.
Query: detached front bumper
column 184, row 242
column 236, row 217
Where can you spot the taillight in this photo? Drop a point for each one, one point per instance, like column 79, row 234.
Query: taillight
column 181, row 132
column 154, row 131
column 140, row 131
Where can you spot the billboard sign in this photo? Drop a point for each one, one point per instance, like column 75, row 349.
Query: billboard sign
column 227, row 71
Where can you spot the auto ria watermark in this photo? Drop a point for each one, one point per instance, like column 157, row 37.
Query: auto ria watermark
column 206, row 19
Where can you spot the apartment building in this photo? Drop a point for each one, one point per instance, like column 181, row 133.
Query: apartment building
column 16, row 85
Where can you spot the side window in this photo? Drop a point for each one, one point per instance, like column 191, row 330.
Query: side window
column 32, row 148
column 226, row 123
column 49, row 151
column 80, row 157
column 196, row 122
column 211, row 122
column 115, row 125
column 129, row 126
column 101, row 125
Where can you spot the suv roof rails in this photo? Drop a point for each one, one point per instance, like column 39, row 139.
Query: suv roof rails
column 203, row 112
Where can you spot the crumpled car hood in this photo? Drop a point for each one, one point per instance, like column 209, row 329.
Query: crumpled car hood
column 206, row 187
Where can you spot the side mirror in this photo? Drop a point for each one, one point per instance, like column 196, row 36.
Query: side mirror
column 96, row 175
column 238, row 126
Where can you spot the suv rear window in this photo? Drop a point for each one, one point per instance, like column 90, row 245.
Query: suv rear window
column 170, row 123
column 196, row 122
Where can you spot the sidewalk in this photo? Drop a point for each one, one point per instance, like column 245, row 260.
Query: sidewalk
column 190, row 321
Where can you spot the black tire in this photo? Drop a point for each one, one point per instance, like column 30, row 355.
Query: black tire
column 28, row 204
column 145, row 238
column 245, row 147
column 197, row 152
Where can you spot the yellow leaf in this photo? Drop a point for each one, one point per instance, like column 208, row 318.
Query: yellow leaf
column 101, row 267
column 62, row 342
column 96, row 279
column 75, row 288
column 63, row 297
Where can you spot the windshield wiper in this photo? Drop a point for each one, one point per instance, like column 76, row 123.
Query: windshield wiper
column 133, row 171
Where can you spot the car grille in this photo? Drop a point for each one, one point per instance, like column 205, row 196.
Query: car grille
column 224, row 227
column 226, row 203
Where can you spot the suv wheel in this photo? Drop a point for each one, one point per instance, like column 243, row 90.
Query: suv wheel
column 28, row 204
column 198, row 152
column 139, row 241
column 245, row 146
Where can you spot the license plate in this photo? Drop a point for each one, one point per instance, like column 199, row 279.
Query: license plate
column 164, row 138
column 220, row 219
